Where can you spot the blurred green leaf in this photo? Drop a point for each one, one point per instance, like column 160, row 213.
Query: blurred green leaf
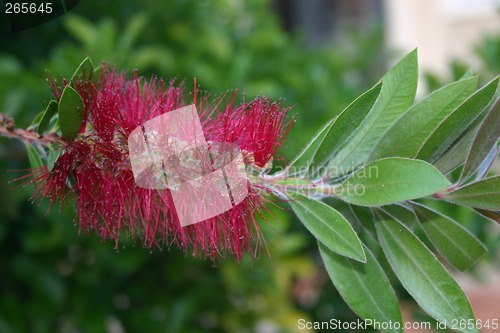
column 486, row 138
column 392, row 180
column 70, row 113
column 422, row 275
column 483, row 194
column 457, row 245
column 135, row 26
column 81, row 29
column 405, row 137
column 364, row 287
column 328, row 226
column 456, row 123
column 397, row 95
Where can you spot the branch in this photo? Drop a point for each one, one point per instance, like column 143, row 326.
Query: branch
column 8, row 129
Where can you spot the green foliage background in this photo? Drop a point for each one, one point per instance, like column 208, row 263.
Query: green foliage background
column 54, row 279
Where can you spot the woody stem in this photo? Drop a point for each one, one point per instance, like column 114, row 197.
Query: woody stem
column 9, row 130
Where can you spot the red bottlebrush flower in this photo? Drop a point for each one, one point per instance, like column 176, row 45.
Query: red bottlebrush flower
column 95, row 167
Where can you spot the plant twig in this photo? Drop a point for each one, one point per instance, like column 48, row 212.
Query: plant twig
column 9, row 130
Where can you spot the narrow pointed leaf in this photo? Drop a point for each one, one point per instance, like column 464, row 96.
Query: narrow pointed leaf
column 483, row 169
column 36, row 121
column 345, row 125
column 54, row 153
column 486, row 138
column 70, row 113
column 489, row 214
column 405, row 137
column 423, row 276
column 483, row 194
column 456, row 154
column 392, row 180
column 457, row 245
column 359, row 217
column 467, row 75
column 456, row 123
column 50, row 111
column 364, row 287
column 85, row 68
column 97, row 74
column 328, row 226
column 300, row 165
column 405, row 215
column 397, row 95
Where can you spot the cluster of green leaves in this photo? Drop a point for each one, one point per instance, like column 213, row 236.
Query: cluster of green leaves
column 380, row 156
column 63, row 117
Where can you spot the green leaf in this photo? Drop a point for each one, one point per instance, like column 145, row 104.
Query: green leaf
column 50, row 111
column 36, row 120
column 457, row 245
column 345, row 125
column 456, row 123
column 467, row 75
column 403, row 214
column 405, row 137
column 397, row 95
column 85, row 69
column 457, row 153
column 328, row 226
column 486, row 138
column 422, row 275
column 359, row 217
column 331, row 137
column 490, row 215
column 364, row 287
column 300, row 165
column 54, row 154
column 392, row 180
column 485, row 167
column 97, row 74
column 70, row 113
column 484, row 194
column 34, row 156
